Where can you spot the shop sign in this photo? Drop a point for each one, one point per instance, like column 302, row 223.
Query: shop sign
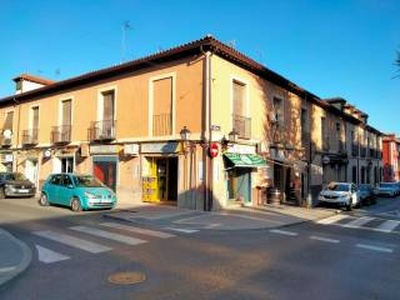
column 7, row 157
column 244, row 149
column 169, row 147
column 103, row 149
column 131, row 149
column 64, row 152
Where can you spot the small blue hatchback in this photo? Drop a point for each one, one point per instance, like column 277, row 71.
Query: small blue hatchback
column 79, row 192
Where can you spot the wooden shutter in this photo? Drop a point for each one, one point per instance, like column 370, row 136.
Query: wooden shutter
column 238, row 98
column 162, row 97
column 35, row 117
column 66, row 112
column 8, row 123
column 108, row 106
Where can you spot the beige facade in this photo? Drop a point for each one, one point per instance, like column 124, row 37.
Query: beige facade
column 123, row 124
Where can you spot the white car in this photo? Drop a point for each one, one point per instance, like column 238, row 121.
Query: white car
column 340, row 193
column 390, row 189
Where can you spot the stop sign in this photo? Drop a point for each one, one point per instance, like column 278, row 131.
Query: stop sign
column 213, row 150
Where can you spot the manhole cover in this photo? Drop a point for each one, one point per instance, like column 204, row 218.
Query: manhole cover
column 127, row 278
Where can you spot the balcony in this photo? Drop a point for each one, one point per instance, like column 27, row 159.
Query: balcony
column 30, row 137
column 243, row 126
column 162, row 125
column 354, row 150
column 102, row 130
column 61, row 134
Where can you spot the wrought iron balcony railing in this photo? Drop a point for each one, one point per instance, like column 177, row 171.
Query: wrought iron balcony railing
column 30, row 136
column 243, row 126
column 61, row 134
column 102, row 130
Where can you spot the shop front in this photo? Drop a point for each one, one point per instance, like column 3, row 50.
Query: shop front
column 160, row 172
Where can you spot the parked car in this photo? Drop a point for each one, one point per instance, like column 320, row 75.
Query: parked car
column 79, row 192
column 367, row 195
column 390, row 189
column 14, row 184
column 340, row 193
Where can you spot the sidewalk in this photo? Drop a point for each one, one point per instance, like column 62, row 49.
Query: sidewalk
column 235, row 218
column 15, row 256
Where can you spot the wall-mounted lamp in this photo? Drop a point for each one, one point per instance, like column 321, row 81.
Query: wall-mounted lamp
column 187, row 144
column 232, row 138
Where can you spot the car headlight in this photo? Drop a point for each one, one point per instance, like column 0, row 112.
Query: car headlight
column 90, row 195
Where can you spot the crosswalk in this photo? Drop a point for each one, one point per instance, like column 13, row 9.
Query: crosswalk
column 364, row 222
column 81, row 237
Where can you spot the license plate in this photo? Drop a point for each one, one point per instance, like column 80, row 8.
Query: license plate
column 23, row 191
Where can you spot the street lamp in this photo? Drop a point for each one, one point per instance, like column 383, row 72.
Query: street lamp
column 185, row 134
column 233, row 136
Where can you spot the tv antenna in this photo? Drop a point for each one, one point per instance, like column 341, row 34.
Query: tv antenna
column 125, row 27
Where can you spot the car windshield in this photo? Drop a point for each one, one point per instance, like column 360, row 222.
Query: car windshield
column 15, row 176
column 387, row 185
column 87, row 181
column 339, row 187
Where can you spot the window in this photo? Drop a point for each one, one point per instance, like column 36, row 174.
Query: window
column 66, row 112
column 278, row 110
column 8, row 123
column 108, row 105
column 35, row 117
column 324, row 133
column 162, row 106
column 239, row 93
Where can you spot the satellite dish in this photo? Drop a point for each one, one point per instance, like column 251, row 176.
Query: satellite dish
column 7, row 133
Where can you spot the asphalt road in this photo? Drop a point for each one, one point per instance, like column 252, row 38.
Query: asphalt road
column 75, row 255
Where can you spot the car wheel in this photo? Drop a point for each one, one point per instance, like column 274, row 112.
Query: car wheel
column 76, row 205
column 43, row 201
column 348, row 206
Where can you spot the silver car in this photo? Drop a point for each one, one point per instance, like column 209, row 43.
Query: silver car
column 340, row 193
column 390, row 189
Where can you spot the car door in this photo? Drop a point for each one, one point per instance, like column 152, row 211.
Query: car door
column 66, row 190
column 355, row 194
column 52, row 187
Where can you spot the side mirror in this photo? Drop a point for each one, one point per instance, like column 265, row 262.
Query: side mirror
column 70, row 186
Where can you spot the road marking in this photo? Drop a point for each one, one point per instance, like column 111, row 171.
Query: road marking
column 284, row 232
column 48, row 256
column 332, row 219
column 109, row 235
column 72, row 241
column 181, row 229
column 139, row 230
column 357, row 223
column 388, row 226
column 322, row 239
column 375, row 248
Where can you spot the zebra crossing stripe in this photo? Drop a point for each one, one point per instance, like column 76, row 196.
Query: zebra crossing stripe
column 72, row 241
column 357, row 223
column 182, row 229
column 323, row 239
column 284, row 232
column 109, row 235
column 143, row 231
column 332, row 219
column 388, row 226
column 374, row 248
column 48, row 256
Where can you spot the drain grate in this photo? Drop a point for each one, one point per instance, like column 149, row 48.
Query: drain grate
column 127, row 278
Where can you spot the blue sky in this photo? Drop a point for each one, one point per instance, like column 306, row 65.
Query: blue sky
column 331, row 48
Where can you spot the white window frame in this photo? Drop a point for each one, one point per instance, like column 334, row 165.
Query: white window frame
column 100, row 101
column 60, row 112
column 152, row 79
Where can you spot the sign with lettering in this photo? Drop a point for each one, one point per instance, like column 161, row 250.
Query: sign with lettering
column 103, row 149
column 168, row 147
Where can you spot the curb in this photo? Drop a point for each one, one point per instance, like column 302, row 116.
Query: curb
column 23, row 264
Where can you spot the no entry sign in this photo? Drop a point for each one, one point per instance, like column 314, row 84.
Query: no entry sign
column 213, row 150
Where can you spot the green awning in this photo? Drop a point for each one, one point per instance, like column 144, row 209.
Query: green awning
column 245, row 160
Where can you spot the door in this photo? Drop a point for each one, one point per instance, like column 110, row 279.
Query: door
column 31, row 170
column 243, row 183
column 105, row 169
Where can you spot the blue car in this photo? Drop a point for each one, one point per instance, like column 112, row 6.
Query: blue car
column 79, row 192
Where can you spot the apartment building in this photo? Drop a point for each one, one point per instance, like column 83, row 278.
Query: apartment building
column 200, row 125
column 391, row 158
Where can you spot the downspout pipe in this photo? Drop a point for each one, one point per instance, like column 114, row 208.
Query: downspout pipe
column 206, row 135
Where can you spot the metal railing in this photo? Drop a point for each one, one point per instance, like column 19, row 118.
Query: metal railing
column 102, row 130
column 242, row 125
column 30, row 136
column 60, row 134
column 162, row 125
